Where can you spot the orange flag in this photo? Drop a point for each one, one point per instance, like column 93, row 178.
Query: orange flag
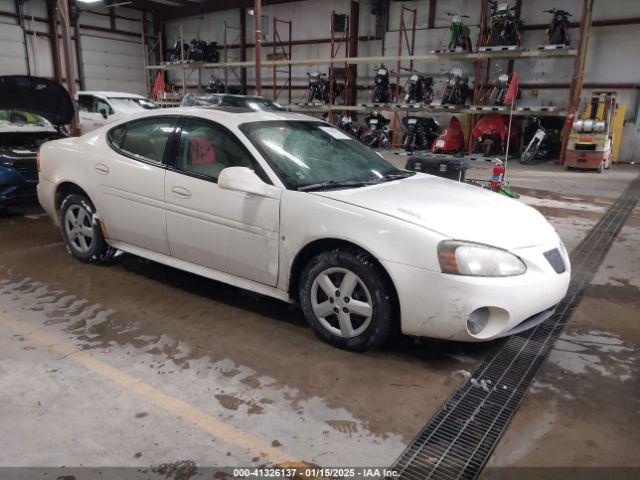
column 512, row 91
column 158, row 86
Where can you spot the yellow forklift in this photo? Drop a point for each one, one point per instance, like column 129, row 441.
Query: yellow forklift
column 594, row 138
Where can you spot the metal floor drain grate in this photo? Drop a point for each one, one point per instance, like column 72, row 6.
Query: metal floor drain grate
column 458, row 440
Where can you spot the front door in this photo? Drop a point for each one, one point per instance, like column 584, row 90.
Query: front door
column 93, row 112
column 228, row 231
column 130, row 177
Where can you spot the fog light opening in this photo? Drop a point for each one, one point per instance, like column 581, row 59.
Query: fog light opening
column 478, row 320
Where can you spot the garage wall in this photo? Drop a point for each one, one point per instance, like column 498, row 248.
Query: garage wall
column 609, row 61
column 110, row 61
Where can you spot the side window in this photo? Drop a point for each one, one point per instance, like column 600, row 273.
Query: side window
column 207, row 149
column 116, row 135
column 85, row 102
column 148, row 138
column 100, row 106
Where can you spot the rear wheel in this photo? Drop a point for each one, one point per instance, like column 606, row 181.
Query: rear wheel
column 81, row 230
column 347, row 299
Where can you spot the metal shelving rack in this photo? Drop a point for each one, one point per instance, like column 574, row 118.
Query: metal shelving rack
column 285, row 49
column 481, row 61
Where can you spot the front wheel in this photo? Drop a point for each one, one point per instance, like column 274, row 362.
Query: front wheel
column 81, row 230
column 347, row 299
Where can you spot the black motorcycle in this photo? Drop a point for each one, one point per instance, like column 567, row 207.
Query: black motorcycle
column 176, row 53
column 420, row 132
column 379, row 133
column 544, row 145
column 216, row 85
column 350, row 125
column 419, row 89
column 457, row 90
column 319, row 90
column 558, row 30
column 382, row 88
column 505, row 27
column 201, row 51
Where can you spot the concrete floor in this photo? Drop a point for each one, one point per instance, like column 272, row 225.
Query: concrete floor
column 139, row 364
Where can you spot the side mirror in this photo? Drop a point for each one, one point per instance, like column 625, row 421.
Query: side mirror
column 103, row 112
column 243, row 179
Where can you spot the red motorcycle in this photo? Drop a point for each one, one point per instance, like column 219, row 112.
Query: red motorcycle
column 451, row 140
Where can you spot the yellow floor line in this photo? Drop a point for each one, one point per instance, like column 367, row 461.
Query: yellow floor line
column 187, row 412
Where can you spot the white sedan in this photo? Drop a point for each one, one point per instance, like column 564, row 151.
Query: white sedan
column 289, row 206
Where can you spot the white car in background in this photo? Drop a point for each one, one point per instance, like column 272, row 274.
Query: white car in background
column 96, row 109
column 291, row 207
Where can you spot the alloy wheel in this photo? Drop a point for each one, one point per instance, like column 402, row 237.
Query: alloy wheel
column 77, row 224
column 341, row 302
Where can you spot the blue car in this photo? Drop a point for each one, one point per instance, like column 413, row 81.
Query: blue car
column 33, row 111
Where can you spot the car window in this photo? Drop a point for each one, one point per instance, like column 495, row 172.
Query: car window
column 207, row 149
column 148, row 138
column 101, row 105
column 116, row 135
column 85, row 102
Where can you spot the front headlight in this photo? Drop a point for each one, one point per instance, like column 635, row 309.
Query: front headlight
column 466, row 258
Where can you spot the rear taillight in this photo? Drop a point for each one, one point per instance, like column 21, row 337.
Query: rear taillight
column 38, row 160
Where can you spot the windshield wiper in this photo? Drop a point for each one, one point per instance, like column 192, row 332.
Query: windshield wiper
column 355, row 183
column 333, row 184
column 397, row 176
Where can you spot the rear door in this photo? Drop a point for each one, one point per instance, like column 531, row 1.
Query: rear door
column 131, row 180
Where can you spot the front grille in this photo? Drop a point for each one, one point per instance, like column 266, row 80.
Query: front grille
column 555, row 259
column 27, row 168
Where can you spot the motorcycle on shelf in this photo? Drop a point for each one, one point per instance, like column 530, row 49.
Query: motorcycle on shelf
column 489, row 135
column 179, row 52
column 201, row 51
column 419, row 89
column 499, row 91
column 420, row 132
column 558, row 30
column 216, row 85
column 382, row 92
column 451, row 141
column 350, row 125
column 319, row 90
column 504, row 28
column 378, row 133
column 459, row 39
column 456, row 90
column 545, row 143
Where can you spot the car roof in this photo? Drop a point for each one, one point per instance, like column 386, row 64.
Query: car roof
column 228, row 116
column 109, row 94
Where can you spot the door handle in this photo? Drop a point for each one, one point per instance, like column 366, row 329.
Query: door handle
column 101, row 168
column 181, row 192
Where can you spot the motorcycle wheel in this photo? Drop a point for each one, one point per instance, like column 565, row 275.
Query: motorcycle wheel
column 557, row 37
column 487, row 146
column 213, row 56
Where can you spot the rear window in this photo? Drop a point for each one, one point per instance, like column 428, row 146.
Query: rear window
column 147, row 138
column 116, row 135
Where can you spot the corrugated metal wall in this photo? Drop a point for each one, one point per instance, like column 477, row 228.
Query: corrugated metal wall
column 109, row 61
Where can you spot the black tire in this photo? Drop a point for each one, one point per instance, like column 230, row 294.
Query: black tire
column 381, row 294
column 557, row 37
column 98, row 250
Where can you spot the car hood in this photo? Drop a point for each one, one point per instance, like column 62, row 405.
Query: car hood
column 453, row 209
column 37, row 95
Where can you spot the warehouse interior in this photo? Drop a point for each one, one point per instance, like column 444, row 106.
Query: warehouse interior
column 524, row 117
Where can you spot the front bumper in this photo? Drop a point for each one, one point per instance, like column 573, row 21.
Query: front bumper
column 15, row 188
column 433, row 304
